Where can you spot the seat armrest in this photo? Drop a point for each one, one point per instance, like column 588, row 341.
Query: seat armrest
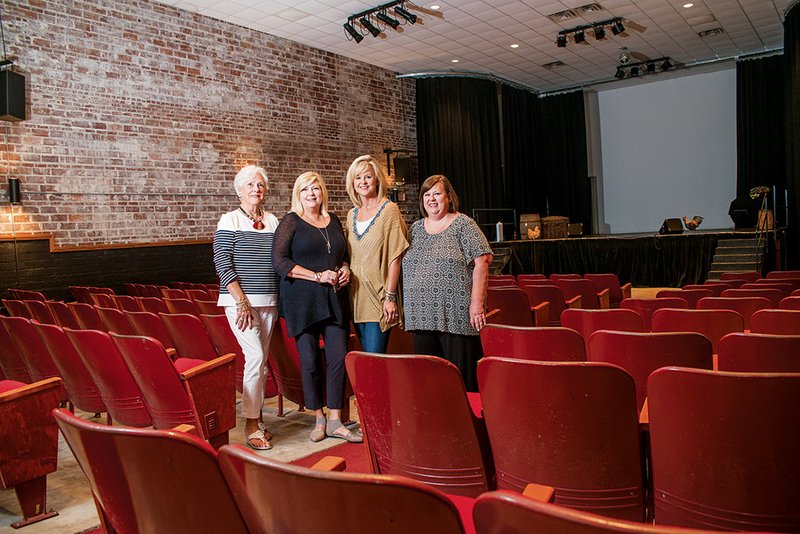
column 644, row 417
column 539, row 492
column 492, row 312
column 31, row 389
column 172, row 352
column 626, row 290
column 604, row 298
column 541, row 314
column 211, row 387
column 208, row 366
column 186, row 429
column 330, row 463
column 574, row 302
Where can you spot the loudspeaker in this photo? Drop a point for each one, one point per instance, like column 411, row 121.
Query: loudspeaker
column 574, row 229
column 12, row 96
column 671, row 226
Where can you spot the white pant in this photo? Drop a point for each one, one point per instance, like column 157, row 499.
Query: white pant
column 255, row 346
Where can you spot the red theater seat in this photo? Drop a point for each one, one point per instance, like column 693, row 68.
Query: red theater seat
column 759, row 353
column 544, row 343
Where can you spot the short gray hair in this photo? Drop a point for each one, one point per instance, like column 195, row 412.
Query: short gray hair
column 246, row 174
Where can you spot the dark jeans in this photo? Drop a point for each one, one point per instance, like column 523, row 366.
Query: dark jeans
column 312, row 367
column 462, row 351
column 371, row 337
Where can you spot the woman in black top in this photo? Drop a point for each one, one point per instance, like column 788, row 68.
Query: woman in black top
column 310, row 254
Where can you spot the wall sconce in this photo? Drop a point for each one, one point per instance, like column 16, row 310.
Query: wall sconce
column 14, row 193
column 652, row 66
column 377, row 19
column 578, row 33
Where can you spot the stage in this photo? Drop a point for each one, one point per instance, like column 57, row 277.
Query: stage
column 645, row 260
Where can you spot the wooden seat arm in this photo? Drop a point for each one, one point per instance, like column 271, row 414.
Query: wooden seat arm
column 644, row 417
column 30, row 389
column 541, row 314
column 330, row 463
column 492, row 312
column 186, row 429
column 539, row 492
column 574, row 302
column 604, row 297
column 626, row 290
column 208, row 366
column 172, row 352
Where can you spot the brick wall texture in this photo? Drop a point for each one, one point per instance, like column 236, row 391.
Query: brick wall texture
column 140, row 115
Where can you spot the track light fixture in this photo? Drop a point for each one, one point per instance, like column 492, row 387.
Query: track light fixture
column 376, row 20
column 637, row 70
column 597, row 28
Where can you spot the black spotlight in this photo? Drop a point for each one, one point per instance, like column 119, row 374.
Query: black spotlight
column 651, row 68
column 561, row 40
column 617, row 28
column 14, row 194
column 599, row 32
column 410, row 17
column 666, row 65
column 634, row 72
column 580, row 36
column 369, row 26
column 386, row 19
column 620, row 73
column 357, row 37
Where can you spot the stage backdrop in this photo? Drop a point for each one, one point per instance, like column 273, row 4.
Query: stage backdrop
column 669, row 149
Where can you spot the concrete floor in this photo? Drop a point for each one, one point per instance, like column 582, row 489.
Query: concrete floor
column 68, row 491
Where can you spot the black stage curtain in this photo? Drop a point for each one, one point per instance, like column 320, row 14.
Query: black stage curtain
column 760, row 124
column 791, row 54
column 560, row 157
column 524, row 183
column 458, row 135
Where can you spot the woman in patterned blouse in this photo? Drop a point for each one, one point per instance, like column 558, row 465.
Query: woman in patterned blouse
column 376, row 234
column 445, row 273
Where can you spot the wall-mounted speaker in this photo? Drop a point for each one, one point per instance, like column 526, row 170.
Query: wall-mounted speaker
column 671, row 226
column 12, row 96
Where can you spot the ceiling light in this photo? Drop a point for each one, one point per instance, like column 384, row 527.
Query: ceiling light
column 634, row 72
column 643, row 68
column 624, row 56
column 515, row 45
column 617, row 28
column 666, row 65
column 599, row 32
column 579, row 36
column 349, row 28
column 687, row 6
column 453, row 61
column 369, row 26
column 410, row 17
column 651, row 67
column 386, row 19
column 561, row 40
column 620, row 73
column 435, row 6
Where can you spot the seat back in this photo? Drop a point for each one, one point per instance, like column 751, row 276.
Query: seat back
column 80, row 386
column 793, row 282
column 363, row 503
column 645, row 307
column 182, row 306
column 691, row 296
column 62, row 314
column 418, row 423
column 716, row 289
column 586, row 322
column 565, row 276
column 513, row 305
column 32, row 350
column 739, row 473
column 115, row 321
column 502, row 511
column 526, row 277
column 40, row 311
column 27, row 294
column 785, row 322
column 609, row 281
column 161, row 387
column 126, row 302
column 118, row 389
column 209, row 307
column 773, row 295
column 784, row 288
column 103, row 300
column 152, row 304
column 173, row 293
column 125, row 465
column 132, row 290
column 642, row 353
column 190, row 336
column 744, row 306
column 578, row 432
column 224, row 341
column 284, row 361
column 81, row 294
column 551, row 294
column 87, row 316
column 198, row 294
column 783, row 274
column 150, row 325
column 574, row 287
column 759, row 353
column 711, row 323
column 11, row 361
column 790, row 303
column 749, row 276
column 554, row 344
column 17, row 308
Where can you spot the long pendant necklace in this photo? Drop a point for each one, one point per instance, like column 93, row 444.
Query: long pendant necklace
column 325, row 237
column 257, row 217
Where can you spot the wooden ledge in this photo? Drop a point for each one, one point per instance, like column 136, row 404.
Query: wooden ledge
column 100, row 246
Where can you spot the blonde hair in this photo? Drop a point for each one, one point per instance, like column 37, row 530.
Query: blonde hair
column 246, row 174
column 359, row 165
column 429, row 183
column 303, row 181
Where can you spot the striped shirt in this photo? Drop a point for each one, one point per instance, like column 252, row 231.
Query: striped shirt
column 244, row 254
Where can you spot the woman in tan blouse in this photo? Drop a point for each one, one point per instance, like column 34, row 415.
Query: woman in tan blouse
column 377, row 237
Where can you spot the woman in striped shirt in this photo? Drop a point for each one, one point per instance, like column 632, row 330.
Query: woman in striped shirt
column 249, row 290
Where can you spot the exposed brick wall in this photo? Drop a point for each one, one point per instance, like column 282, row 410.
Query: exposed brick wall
column 139, row 116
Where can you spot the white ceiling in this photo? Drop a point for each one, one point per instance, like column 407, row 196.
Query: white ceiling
column 479, row 33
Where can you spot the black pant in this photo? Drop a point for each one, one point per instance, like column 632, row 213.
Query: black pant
column 311, row 364
column 462, row 351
